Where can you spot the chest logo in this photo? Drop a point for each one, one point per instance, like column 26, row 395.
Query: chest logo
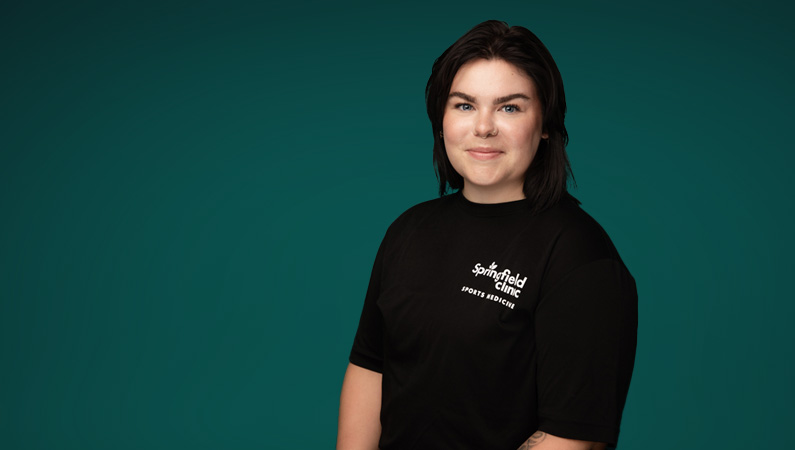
column 504, row 281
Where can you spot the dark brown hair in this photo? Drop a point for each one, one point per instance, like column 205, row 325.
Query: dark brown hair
column 547, row 178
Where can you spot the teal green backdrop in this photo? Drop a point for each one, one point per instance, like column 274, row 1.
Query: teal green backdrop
column 192, row 195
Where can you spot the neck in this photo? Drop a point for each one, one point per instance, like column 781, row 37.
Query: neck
column 480, row 194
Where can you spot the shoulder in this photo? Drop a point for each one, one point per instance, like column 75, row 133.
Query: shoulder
column 575, row 241
column 420, row 213
column 576, row 233
column 402, row 230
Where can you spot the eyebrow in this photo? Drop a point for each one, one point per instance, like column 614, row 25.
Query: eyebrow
column 508, row 98
column 497, row 101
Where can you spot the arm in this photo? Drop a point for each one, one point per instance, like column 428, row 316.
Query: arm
column 543, row 441
column 586, row 328
column 359, row 425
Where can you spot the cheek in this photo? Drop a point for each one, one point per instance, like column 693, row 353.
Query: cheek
column 525, row 136
column 454, row 128
column 447, row 128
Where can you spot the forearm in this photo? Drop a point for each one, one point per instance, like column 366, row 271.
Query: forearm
column 359, row 425
column 543, row 441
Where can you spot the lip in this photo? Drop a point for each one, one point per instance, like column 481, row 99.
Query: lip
column 484, row 153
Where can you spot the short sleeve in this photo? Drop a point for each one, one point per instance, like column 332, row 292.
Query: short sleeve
column 586, row 335
column 368, row 343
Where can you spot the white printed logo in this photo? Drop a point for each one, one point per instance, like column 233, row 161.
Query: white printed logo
column 504, row 281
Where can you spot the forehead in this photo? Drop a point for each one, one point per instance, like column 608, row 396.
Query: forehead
column 492, row 78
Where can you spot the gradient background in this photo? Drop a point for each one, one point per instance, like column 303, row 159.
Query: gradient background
column 192, row 195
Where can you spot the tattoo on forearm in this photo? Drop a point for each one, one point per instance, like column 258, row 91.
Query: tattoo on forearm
column 533, row 440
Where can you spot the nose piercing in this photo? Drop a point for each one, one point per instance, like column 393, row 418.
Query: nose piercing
column 489, row 134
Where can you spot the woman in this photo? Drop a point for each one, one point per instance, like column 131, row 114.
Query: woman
column 500, row 316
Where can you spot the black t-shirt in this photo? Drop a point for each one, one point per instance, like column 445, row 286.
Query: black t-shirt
column 489, row 323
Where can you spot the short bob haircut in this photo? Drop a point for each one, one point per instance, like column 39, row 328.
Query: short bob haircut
column 547, row 178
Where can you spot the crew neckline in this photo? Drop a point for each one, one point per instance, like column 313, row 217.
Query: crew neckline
column 492, row 209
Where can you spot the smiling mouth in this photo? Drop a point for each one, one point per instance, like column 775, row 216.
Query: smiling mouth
column 484, row 154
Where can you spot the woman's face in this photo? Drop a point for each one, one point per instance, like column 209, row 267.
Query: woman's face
column 492, row 126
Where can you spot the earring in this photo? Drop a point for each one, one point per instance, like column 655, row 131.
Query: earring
column 441, row 134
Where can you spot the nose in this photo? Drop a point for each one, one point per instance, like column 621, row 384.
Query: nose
column 485, row 126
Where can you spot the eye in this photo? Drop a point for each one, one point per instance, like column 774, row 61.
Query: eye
column 464, row 107
column 511, row 108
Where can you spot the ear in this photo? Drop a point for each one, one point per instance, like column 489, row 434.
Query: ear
column 545, row 135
